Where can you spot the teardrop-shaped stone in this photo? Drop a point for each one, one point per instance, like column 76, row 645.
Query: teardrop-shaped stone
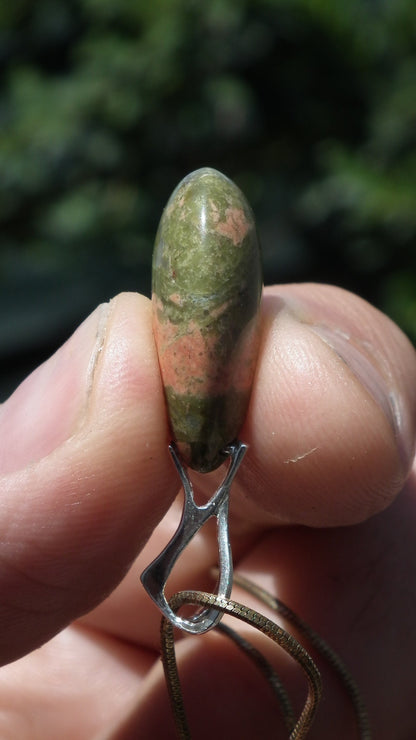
column 206, row 294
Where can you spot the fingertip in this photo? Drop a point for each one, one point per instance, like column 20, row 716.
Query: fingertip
column 77, row 517
column 326, row 444
column 127, row 413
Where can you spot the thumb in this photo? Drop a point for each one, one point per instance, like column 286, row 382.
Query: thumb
column 85, row 473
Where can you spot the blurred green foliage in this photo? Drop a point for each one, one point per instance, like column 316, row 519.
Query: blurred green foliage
column 106, row 104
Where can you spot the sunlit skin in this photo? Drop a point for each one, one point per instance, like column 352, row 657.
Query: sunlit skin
column 323, row 514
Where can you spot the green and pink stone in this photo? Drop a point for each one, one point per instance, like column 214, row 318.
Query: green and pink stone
column 206, row 294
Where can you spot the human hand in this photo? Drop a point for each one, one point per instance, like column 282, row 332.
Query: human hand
column 315, row 517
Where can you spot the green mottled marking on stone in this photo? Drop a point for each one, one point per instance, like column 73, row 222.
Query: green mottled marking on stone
column 206, row 289
column 204, row 426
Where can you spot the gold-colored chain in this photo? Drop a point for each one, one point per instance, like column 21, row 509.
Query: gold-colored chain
column 297, row 729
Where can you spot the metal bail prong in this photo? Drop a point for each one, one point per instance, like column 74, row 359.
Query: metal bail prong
column 155, row 576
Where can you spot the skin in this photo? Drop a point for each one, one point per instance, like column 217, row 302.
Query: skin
column 323, row 514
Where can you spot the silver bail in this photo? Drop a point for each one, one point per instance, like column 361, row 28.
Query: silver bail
column 155, row 576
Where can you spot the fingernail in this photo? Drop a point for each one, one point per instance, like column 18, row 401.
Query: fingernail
column 368, row 366
column 51, row 404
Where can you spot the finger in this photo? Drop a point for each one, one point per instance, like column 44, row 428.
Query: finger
column 86, row 473
column 351, row 585
column 330, row 432
column 331, row 424
column 224, row 696
column 75, row 686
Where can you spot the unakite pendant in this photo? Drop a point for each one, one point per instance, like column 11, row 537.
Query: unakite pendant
column 206, row 294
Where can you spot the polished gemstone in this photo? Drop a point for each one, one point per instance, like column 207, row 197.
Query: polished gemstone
column 206, row 293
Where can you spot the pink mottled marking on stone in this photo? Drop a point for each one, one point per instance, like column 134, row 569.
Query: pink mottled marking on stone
column 169, row 208
column 216, row 312
column 215, row 213
column 181, row 208
column 190, row 365
column 176, row 298
column 245, row 358
column 235, row 226
column 157, row 303
column 182, row 356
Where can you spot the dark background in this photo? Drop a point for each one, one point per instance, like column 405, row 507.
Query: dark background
column 310, row 106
